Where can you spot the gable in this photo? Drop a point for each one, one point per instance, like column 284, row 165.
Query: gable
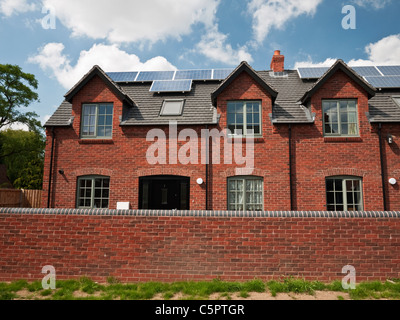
column 244, row 68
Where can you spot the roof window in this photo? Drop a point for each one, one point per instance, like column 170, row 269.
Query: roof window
column 172, row 108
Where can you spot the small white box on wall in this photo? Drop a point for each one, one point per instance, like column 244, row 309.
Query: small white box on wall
column 123, row 205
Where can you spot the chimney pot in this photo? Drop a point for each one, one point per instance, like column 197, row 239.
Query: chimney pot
column 278, row 62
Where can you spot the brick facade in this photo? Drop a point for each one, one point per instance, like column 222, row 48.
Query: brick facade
column 314, row 157
column 164, row 246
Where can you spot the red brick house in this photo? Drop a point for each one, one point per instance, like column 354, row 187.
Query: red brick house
column 322, row 140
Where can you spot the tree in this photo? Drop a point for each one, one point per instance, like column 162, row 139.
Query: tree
column 23, row 154
column 16, row 92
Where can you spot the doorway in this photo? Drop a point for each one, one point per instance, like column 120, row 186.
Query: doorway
column 164, row 193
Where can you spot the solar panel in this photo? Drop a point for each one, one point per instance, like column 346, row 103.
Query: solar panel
column 155, row 75
column 122, row 76
column 312, row 73
column 171, row 86
column 367, row 71
column 193, row 75
column 221, row 74
column 390, row 70
column 384, row 82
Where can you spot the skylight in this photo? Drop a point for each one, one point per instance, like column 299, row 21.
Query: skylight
column 172, row 108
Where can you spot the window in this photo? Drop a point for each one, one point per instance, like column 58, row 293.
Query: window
column 344, row 194
column 340, row 117
column 172, row 108
column 244, row 118
column 97, row 121
column 93, row 192
column 245, row 194
column 397, row 100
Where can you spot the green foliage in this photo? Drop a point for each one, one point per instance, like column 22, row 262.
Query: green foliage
column 295, row 286
column 23, row 154
column 73, row 289
column 16, row 92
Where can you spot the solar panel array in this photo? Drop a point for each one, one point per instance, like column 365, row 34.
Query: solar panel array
column 155, row 75
column 379, row 77
column 194, row 75
column 384, row 82
column 122, row 76
column 312, row 73
column 171, row 86
column 390, row 70
column 150, row 76
column 367, row 71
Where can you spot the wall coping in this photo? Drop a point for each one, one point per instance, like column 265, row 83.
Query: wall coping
column 200, row 213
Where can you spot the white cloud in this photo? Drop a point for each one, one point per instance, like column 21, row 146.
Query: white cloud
column 108, row 57
column 16, row 126
column 375, row 4
column 269, row 14
column 10, row 7
column 309, row 63
column 45, row 119
column 121, row 21
column 384, row 52
column 214, row 45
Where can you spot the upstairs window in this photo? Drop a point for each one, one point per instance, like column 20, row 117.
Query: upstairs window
column 344, row 194
column 172, row 108
column 97, row 121
column 244, row 118
column 340, row 118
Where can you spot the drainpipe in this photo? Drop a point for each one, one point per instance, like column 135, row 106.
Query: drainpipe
column 207, row 164
column 51, row 166
column 382, row 168
column 291, row 168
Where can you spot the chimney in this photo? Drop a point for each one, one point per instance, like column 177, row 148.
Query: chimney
column 278, row 62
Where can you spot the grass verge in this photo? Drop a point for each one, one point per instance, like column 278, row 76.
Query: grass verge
column 86, row 289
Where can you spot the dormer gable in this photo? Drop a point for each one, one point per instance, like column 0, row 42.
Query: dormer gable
column 339, row 65
column 97, row 71
column 243, row 67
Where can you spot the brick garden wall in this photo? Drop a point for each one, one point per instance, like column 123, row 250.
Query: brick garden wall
column 163, row 246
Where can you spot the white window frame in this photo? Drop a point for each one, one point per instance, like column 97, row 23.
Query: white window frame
column 95, row 136
column 245, row 133
column 244, row 179
column 165, row 102
column 339, row 134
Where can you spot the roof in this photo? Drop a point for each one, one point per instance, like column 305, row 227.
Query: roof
column 62, row 117
column 197, row 109
column 382, row 107
column 291, row 88
column 290, row 94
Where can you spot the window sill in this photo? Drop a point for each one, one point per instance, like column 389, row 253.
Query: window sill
column 96, row 141
column 257, row 139
column 342, row 139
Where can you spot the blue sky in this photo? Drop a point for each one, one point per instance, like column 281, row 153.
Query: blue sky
column 122, row 35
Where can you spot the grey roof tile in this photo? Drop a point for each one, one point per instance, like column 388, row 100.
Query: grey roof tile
column 198, row 108
column 62, row 117
column 382, row 107
column 291, row 88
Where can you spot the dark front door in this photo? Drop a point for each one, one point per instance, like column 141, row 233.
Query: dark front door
column 164, row 193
